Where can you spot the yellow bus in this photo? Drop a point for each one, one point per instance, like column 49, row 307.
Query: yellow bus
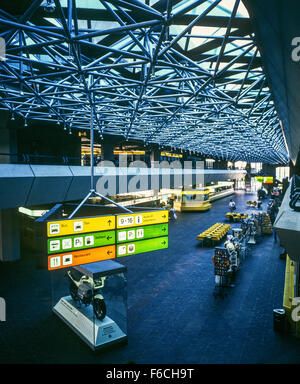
column 192, row 200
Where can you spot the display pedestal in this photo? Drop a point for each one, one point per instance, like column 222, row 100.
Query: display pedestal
column 96, row 333
column 251, row 240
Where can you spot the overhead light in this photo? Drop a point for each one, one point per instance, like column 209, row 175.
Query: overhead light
column 48, row 6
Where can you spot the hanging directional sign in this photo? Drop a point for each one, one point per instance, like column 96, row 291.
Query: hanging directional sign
column 139, row 233
column 85, row 240
column 142, row 246
column 262, row 179
column 74, row 226
column 142, row 218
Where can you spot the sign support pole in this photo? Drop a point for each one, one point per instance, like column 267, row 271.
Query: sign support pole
column 92, row 191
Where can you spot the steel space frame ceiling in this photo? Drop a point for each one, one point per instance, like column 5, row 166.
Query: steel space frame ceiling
column 184, row 74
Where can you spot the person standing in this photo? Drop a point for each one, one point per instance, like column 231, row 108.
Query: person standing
column 272, row 211
column 231, row 205
column 172, row 214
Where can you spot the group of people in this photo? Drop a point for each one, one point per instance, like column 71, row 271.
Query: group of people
column 272, row 210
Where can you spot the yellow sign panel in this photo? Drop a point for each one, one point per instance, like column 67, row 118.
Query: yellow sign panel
column 142, row 218
column 170, row 154
column 204, row 192
column 75, row 226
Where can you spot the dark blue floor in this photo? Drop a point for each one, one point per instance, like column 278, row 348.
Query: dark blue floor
column 172, row 314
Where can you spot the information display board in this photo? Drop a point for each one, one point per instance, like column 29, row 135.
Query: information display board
column 90, row 239
column 268, row 180
column 221, row 261
column 264, row 179
column 141, row 232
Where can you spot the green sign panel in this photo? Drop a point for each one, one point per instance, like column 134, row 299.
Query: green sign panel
column 142, row 246
column 81, row 241
column 260, row 179
column 140, row 233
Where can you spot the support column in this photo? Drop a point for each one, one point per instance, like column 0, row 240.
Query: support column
column 9, row 218
column 8, row 140
column 235, row 184
column 9, row 235
column 107, row 149
column 295, row 169
column 185, row 156
column 269, row 170
column 248, row 177
column 223, row 164
column 220, row 164
column 155, row 156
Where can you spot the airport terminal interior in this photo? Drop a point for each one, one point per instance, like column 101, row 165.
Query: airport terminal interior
column 149, row 181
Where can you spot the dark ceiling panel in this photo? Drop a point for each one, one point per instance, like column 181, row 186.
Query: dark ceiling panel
column 140, row 78
column 276, row 23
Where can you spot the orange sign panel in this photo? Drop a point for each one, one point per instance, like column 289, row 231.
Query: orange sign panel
column 84, row 256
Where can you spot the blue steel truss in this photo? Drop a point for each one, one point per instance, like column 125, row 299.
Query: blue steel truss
column 183, row 74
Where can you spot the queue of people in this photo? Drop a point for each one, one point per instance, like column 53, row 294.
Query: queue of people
column 272, row 209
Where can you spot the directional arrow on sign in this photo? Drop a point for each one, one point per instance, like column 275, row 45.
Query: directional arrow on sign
column 163, row 242
column 164, row 216
column 109, row 252
column 164, row 229
column 109, row 222
column 109, row 237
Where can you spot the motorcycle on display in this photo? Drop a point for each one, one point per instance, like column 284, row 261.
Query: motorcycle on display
column 233, row 250
column 250, row 228
column 86, row 291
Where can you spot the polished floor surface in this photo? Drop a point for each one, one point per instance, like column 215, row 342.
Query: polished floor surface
column 173, row 316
